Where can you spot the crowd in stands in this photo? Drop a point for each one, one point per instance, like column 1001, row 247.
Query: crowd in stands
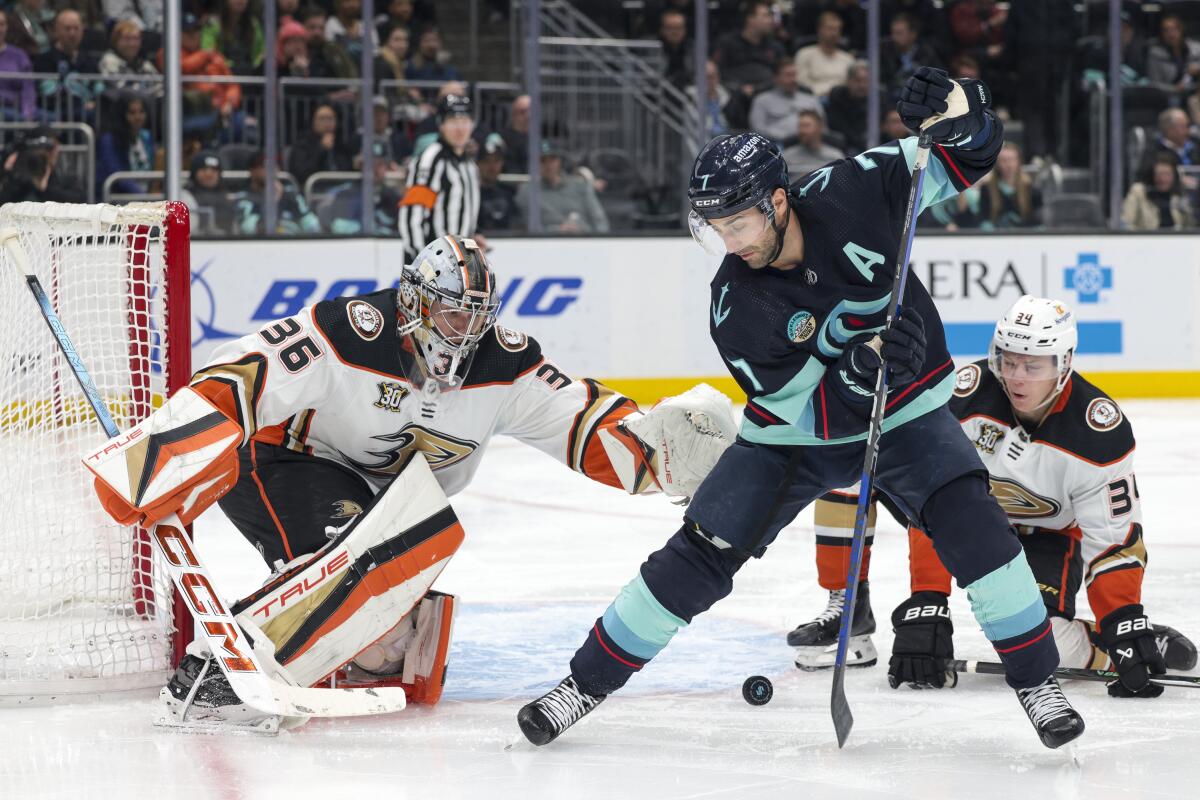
column 793, row 71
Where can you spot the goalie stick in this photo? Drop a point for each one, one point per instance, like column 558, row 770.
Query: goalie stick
column 233, row 650
column 839, row 707
column 1107, row 676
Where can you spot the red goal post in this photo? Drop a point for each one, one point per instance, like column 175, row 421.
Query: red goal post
column 84, row 608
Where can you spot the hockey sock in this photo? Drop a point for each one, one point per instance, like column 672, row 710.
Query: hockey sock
column 833, row 517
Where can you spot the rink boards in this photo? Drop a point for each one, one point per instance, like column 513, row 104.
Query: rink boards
column 635, row 311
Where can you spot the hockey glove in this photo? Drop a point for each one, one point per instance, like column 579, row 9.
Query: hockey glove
column 903, row 345
column 924, row 644
column 930, row 92
column 1129, row 640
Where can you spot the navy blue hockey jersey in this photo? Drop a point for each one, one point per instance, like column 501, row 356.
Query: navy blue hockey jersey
column 779, row 330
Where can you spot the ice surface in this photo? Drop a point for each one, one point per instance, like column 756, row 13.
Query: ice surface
column 546, row 550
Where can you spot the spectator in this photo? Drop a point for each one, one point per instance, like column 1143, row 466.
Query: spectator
column 823, row 65
column 1174, row 139
column 773, row 113
column 67, row 55
column 497, row 202
column 1008, row 198
column 893, row 127
column 442, row 196
column 747, row 58
column 1037, row 40
column 810, row 151
column 430, row 62
column 292, row 213
column 146, row 15
column 124, row 61
column 402, row 13
column 390, row 63
column 319, row 150
column 386, row 142
column 978, row 26
column 900, row 55
column 1157, row 201
column 127, row 145
column 964, row 65
column 345, row 203
column 568, row 202
column 854, row 22
column 95, row 24
column 210, row 204
column 717, row 103
column 291, row 51
column 31, row 174
column 237, row 34
column 325, row 59
column 17, row 96
column 847, row 113
column 677, row 47
column 346, row 28
column 1173, row 60
column 27, row 21
column 206, row 104
column 516, row 136
column 287, row 11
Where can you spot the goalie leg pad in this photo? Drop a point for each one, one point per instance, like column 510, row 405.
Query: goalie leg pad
column 412, row 655
column 325, row 609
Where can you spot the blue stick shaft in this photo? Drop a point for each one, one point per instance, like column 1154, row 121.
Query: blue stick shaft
column 68, row 350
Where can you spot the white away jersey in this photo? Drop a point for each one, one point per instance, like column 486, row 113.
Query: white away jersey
column 1073, row 473
column 331, row 381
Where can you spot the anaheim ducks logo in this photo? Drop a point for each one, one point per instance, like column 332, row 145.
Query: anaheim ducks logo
column 344, row 509
column 510, row 340
column 440, row 450
column 1020, row 503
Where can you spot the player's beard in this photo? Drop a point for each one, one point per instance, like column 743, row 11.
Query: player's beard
column 767, row 251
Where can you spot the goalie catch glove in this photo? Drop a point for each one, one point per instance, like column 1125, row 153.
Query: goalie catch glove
column 679, row 441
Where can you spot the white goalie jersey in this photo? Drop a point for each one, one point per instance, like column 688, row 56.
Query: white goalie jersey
column 1073, row 473
column 333, row 381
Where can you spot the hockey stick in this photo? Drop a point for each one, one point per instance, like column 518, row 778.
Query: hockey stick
column 843, row 720
column 1106, row 676
column 237, row 657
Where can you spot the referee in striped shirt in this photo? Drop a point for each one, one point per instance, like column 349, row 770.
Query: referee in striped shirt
column 443, row 182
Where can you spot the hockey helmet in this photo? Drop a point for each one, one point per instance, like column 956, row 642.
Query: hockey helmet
column 730, row 191
column 1035, row 326
column 448, row 300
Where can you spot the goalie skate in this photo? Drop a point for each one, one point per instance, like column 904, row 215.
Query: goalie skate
column 816, row 642
column 199, row 698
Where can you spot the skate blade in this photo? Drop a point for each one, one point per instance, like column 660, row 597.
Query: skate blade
column 860, row 652
column 170, row 715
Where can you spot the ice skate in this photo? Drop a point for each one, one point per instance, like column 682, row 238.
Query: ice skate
column 816, row 641
column 1051, row 713
column 543, row 720
column 198, row 697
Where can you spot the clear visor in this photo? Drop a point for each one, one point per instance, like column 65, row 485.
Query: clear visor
column 736, row 234
column 1021, row 367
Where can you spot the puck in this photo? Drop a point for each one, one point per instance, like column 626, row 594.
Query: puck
column 757, row 690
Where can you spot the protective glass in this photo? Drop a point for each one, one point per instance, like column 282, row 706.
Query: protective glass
column 732, row 234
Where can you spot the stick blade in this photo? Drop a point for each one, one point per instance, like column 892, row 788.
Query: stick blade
column 839, row 707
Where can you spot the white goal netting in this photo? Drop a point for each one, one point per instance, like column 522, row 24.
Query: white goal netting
column 83, row 607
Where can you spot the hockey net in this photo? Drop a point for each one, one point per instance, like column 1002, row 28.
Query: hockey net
column 83, row 606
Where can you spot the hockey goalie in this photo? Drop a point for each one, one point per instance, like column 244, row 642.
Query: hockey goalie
column 331, row 439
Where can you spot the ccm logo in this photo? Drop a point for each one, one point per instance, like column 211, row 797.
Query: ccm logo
column 117, row 444
column 711, row 201
column 926, row 611
column 1130, row 625
column 300, row 587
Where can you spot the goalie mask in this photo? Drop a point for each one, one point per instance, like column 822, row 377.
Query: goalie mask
column 447, row 301
column 1034, row 326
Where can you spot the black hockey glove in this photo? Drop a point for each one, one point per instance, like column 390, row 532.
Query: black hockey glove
column 924, row 95
column 924, row 643
column 903, row 345
column 1129, row 640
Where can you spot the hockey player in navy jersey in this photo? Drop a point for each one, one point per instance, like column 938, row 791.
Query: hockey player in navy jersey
column 798, row 312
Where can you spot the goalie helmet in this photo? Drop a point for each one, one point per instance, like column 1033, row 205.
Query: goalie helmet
column 1036, row 326
column 448, row 301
